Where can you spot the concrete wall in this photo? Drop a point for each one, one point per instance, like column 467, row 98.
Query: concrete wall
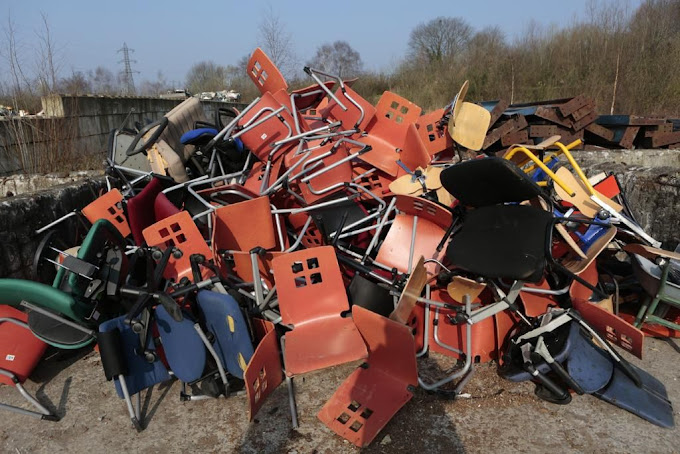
column 81, row 124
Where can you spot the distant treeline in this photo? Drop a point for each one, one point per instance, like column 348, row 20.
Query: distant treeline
column 626, row 61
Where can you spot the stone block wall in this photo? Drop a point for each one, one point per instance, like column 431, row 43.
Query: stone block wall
column 21, row 216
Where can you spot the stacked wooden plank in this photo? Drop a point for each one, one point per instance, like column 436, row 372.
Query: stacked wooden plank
column 572, row 119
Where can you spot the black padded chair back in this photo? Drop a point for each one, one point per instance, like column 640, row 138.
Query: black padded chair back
column 503, row 241
column 488, row 181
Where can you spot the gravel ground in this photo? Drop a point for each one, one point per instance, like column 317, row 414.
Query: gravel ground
column 498, row 416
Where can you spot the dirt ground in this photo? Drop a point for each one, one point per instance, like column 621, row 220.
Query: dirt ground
column 498, row 416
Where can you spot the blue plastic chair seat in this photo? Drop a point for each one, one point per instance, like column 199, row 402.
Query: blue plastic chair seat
column 224, row 319
column 182, row 345
column 198, row 136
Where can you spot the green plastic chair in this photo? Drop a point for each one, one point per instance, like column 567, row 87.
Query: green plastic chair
column 62, row 315
column 655, row 281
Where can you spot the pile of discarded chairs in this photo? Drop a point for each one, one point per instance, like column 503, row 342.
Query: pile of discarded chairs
column 314, row 229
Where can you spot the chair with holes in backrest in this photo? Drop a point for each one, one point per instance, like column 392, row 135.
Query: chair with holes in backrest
column 108, row 206
column 147, row 207
column 264, row 372
column 371, row 179
column 20, row 352
column 314, row 275
column 181, row 232
column 264, row 73
column 312, row 300
column 232, row 236
column 420, row 224
column 435, row 139
column 374, row 392
column 393, row 136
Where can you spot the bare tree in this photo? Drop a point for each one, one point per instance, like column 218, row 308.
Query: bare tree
column 103, row 81
column 206, row 76
column 277, row 42
column 76, row 84
column 439, row 39
column 154, row 87
column 49, row 58
column 338, row 58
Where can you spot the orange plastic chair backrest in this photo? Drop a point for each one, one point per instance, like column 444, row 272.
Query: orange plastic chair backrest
column 435, row 140
column 244, row 225
column 399, row 110
column 310, row 283
column 264, row 73
column 108, row 206
column 181, row 232
column 424, row 209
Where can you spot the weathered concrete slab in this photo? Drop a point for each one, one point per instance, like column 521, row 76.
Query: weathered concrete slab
column 651, row 182
column 21, row 216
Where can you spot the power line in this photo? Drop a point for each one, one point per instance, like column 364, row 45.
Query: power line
column 128, row 81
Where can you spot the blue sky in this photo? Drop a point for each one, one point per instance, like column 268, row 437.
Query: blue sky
column 171, row 35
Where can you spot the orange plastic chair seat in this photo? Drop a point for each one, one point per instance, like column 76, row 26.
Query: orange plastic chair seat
column 254, row 181
column 311, row 96
column 244, row 225
column 108, row 206
column 377, row 181
column 393, row 142
column 260, row 138
column 324, row 343
column 339, row 174
column 372, row 395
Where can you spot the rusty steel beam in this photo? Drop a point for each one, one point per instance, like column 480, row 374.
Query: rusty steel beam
column 600, row 131
column 551, row 114
column 629, row 136
column 573, row 105
column 498, row 110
